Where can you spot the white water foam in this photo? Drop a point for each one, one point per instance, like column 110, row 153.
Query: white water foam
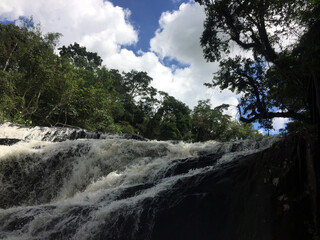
column 97, row 174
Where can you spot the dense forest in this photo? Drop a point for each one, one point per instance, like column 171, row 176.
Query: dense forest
column 44, row 85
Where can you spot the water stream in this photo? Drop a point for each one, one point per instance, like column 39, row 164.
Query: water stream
column 60, row 183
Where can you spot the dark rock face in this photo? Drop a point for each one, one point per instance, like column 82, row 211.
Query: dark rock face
column 254, row 197
column 259, row 196
column 9, row 141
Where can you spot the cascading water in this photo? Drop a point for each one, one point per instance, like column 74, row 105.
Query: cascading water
column 109, row 187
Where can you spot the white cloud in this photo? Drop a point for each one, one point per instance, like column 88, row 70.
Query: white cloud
column 97, row 24
column 179, row 34
column 178, row 38
column 279, row 123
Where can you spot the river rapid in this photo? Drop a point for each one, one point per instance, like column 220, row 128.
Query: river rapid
column 63, row 183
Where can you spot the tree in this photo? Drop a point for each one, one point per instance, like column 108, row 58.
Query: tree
column 208, row 123
column 92, row 98
column 172, row 120
column 212, row 124
column 269, row 81
column 39, row 87
column 137, row 97
column 280, row 80
column 80, row 56
column 26, row 61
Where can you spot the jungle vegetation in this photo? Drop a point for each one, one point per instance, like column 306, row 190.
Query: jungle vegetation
column 74, row 89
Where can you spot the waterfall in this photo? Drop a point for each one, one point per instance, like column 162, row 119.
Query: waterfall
column 62, row 183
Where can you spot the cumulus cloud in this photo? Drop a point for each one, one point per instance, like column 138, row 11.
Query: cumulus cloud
column 279, row 123
column 97, row 24
column 179, row 34
column 178, row 38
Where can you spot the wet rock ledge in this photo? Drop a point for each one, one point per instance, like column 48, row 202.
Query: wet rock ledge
column 265, row 196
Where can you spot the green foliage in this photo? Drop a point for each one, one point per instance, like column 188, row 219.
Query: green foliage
column 38, row 87
column 171, row 121
column 208, row 123
column 26, row 63
column 280, row 81
column 80, row 57
column 248, row 23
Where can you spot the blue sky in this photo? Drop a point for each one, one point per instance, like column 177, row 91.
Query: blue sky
column 158, row 37
column 145, row 15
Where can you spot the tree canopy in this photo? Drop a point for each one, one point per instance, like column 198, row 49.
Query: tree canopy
column 278, row 80
column 73, row 88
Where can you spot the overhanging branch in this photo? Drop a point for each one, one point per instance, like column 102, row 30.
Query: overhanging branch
column 270, row 115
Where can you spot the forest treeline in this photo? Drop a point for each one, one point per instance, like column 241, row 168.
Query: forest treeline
column 39, row 86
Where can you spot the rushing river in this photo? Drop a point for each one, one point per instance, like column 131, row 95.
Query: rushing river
column 60, row 183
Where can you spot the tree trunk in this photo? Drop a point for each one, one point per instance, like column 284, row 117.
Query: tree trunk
column 8, row 60
column 315, row 102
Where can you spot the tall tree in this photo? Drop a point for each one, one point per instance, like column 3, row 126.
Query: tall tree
column 80, row 56
column 269, row 81
column 137, row 97
column 26, row 60
column 172, row 120
column 212, row 124
column 282, row 80
column 208, row 123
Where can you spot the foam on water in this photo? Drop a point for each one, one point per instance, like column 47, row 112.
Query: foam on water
column 76, row 188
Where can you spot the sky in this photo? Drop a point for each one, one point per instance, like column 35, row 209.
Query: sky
column 159, row 37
